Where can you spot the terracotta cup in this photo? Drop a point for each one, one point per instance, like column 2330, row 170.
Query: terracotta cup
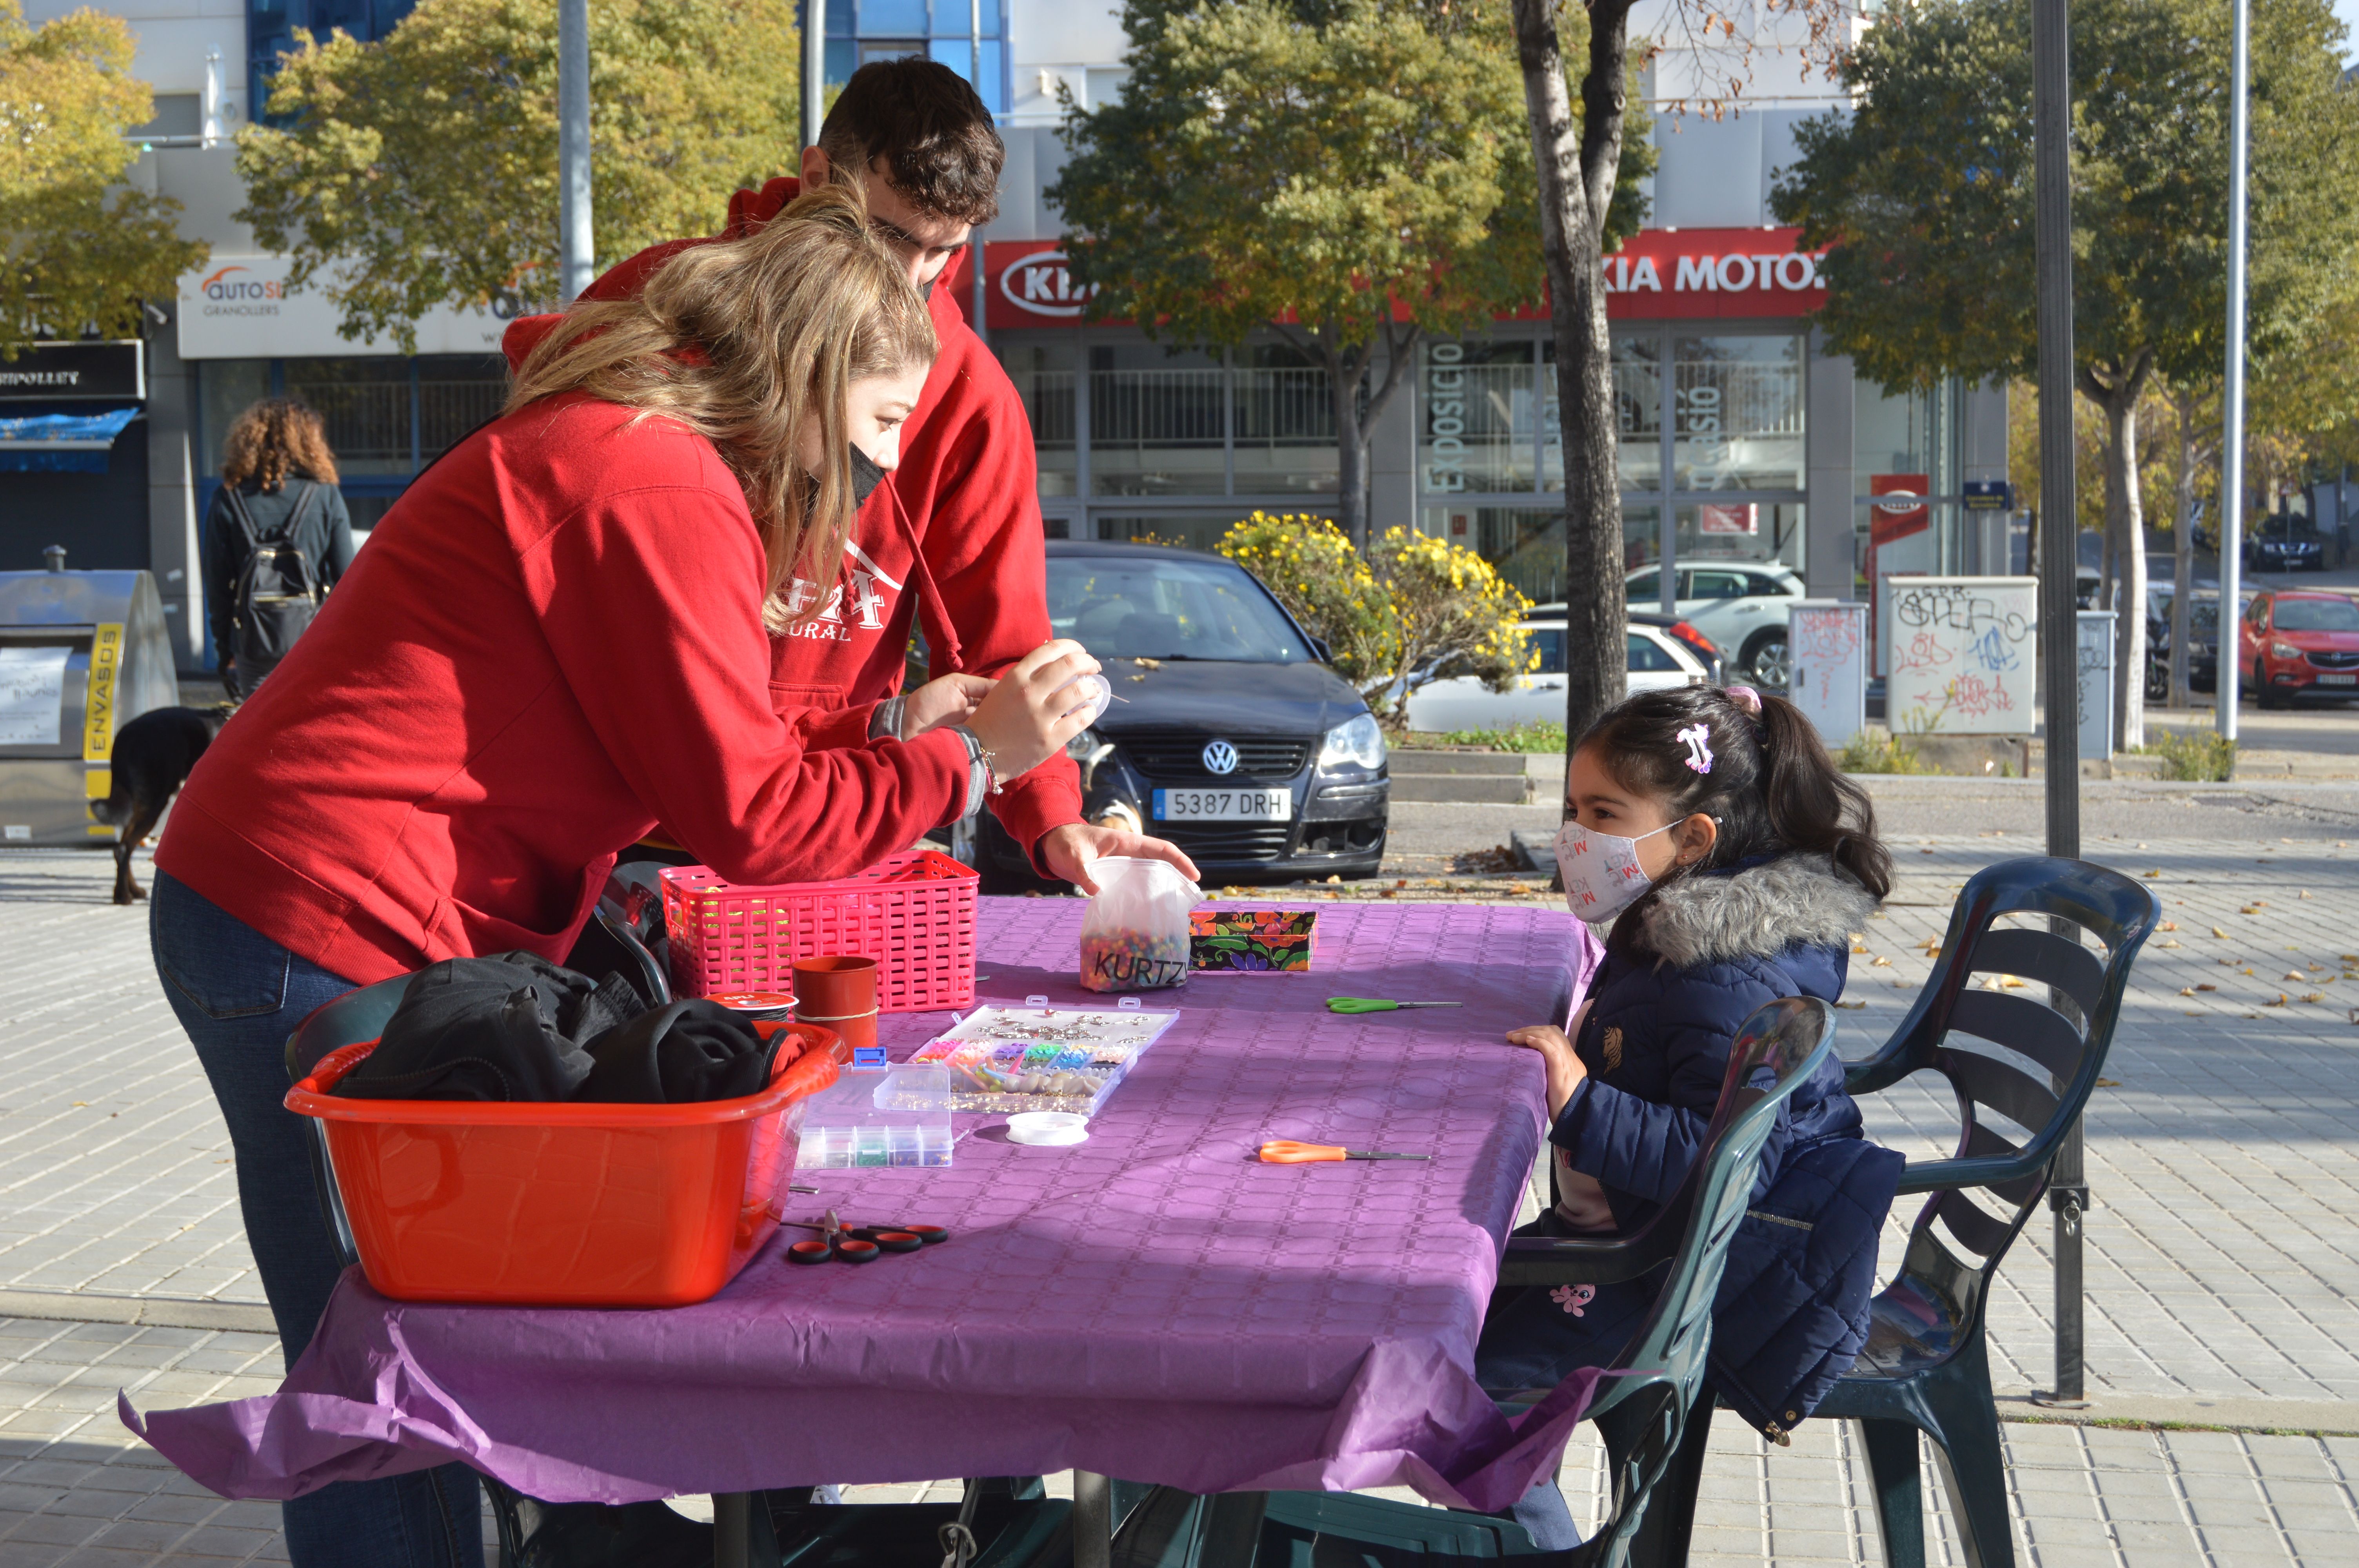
column 838, row 993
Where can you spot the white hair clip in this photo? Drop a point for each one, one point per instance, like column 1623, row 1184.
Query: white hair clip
column 1699, row 754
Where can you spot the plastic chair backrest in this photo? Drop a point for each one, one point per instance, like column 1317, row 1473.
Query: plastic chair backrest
column 2024, row 1047
column 1776, row 1048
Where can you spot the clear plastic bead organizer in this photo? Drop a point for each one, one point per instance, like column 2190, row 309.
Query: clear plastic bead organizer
column 1037, row 1057
column 878, row 1115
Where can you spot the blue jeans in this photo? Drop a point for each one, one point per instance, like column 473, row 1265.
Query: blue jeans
column 239, row 995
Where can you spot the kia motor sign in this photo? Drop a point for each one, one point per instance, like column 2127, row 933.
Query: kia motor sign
column 1035, row 287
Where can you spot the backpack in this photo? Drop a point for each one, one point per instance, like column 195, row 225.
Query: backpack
column 277, row 591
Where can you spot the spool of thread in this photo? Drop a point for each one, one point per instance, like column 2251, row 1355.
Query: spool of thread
column 839, row 992
column 757, row 1007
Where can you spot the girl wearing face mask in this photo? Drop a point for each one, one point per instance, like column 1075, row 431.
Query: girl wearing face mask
column 1733, row 860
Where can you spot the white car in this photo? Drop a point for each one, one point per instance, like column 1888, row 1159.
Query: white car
column 1740, row 605
column 1659, row 661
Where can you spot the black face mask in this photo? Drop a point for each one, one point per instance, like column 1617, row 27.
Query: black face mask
column 866, row 477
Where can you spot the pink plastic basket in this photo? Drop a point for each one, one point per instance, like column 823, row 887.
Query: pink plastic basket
column 913, row 914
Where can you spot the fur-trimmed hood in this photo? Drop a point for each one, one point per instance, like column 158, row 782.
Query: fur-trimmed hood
column 1754, row 912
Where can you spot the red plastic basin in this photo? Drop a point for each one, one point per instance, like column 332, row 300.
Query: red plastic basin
column 560, row 1204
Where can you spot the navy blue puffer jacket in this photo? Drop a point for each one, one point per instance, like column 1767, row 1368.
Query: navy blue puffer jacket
column 1792, row 1307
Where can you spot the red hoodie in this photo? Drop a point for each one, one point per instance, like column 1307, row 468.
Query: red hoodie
column 553, row 642
column 953, row 533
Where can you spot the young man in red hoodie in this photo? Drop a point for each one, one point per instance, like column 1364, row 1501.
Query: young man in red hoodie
column 953, row 538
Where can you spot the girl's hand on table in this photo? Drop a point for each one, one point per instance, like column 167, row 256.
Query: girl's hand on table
column 1564, row 1069
column 951, row 699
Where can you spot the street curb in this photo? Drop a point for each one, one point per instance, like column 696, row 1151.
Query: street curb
column 2194, row 1412
column 143, row 1311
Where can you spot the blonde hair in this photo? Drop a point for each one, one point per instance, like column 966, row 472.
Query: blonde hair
column 273, row 438
column 743, row 341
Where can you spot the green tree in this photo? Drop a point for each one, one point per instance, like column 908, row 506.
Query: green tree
column 77, row 248
column 1411, row 608
column 421, row 170
column 1348, row 174
column 1924, row 190
column 1582, row 144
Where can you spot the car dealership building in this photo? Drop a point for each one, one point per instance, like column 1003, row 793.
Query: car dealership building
column 1742, row 439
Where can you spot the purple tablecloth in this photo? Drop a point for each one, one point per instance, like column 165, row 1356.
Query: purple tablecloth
column 1153, row 1304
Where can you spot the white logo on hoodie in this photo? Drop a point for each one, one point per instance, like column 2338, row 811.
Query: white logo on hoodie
column 860, row 601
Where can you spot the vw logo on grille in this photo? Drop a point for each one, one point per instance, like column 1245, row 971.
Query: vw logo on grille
column 1220, row 757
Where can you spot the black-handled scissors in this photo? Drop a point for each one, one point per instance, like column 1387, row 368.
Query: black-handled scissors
column 861, row 1244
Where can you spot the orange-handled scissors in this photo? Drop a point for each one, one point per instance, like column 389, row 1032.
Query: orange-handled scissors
column 1287, row 1151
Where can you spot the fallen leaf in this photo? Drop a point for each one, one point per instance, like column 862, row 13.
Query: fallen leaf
column 2206, row 986
column 2011, row 983
column 1879, row 963
column 2165, row 943
column 2293, row 975
column 1859, row 948
column 2303, row 893
column 2313, row 996
column 82, row 1102
column 2245, row 970
column 2168, row 925
column 2187, row 991
column 2355, row 1018
column 2153, row 875
column 2279, row 1002
column 2218, row 932
column 2260, row 903
column 2109, row 1082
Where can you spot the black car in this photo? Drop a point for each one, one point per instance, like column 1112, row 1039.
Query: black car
column 2275, row 545
column 1230, row 736
column 2204, row 654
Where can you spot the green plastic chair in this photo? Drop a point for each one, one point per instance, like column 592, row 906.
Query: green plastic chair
column 1641, row 1412
column 1925, row 1365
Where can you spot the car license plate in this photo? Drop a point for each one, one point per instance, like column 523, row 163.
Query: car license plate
column 1224, row 804
column 2338, row 680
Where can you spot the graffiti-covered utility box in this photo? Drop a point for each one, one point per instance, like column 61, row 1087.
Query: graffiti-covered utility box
column 1963, row 654
column 1829, row 639
column 82, row 653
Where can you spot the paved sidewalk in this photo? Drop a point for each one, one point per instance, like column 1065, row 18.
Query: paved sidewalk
column 2221, row 1270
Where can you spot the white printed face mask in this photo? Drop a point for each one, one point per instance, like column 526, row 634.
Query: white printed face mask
column 1602, row 874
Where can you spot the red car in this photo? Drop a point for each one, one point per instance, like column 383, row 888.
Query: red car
column 2300, row 644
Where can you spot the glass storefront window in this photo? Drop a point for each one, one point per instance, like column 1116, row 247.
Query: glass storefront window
column 1739, row 413
column 227, row 388
column 1638, row 371
column 1475, row 402
column 1043, row 374
column 1181, row 530
column 1741, row 531
column 1526, row 544
column 1156, row 422
column 1285, row 423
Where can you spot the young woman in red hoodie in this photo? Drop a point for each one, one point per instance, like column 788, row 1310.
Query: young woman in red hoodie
column 559, row 637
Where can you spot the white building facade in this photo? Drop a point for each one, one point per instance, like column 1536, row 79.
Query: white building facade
column 1742, row 440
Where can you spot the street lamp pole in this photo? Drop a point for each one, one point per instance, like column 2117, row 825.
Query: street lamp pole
column 2051, row 122
column 814, row 66
column 2232, row 438
column 574, row 250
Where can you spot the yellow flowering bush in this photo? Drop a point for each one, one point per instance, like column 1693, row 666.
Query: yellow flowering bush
column 1413, row 608
column 1309, row 566
column 1452, row 613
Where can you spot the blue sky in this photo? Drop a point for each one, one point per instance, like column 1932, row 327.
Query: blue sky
column 2349, row 11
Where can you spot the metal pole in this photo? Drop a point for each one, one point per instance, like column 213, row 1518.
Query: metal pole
column 814, row 67
column 2232, row 440
column 574, row 249
column 2051, row 111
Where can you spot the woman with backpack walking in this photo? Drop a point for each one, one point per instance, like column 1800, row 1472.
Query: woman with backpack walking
column 278, row 537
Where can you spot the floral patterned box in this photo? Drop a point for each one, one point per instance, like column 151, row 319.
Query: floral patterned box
column 1252, row 941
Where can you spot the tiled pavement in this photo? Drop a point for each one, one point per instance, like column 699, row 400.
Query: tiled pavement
column 2220, row 1263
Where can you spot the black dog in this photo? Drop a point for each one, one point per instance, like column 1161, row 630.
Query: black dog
column 151, row 759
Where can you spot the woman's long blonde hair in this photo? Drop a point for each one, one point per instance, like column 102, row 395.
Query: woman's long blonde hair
column 742, row 341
